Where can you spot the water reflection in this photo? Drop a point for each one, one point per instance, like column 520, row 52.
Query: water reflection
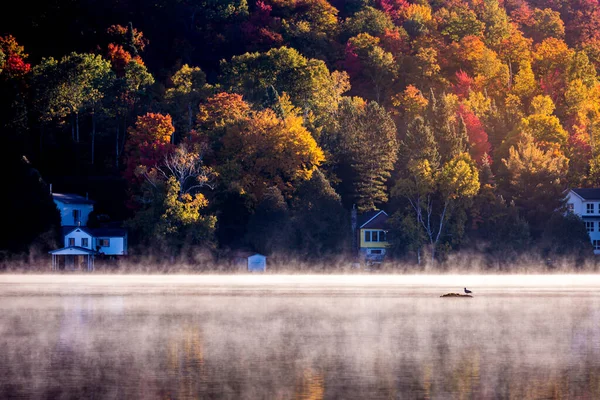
column 405, row 345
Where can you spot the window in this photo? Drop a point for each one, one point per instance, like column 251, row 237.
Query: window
column 596, row 244
column 590, row 226
column 84, row 242
column 104, row 242
column 382, row 236
column 589, row 208
column 376, row 252
column 375, row 236
column 71, row 241
column 76, row 216
column 570, row 207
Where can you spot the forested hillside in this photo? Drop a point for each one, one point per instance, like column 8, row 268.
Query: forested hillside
column 223, row 124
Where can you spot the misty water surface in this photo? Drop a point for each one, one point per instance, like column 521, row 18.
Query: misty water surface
column 299, row 337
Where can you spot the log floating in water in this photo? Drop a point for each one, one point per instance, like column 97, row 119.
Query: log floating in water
column 455, row 295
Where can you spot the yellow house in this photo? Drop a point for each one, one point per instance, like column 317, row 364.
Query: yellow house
column 372, row 239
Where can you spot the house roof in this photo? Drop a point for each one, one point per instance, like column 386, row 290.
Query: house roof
column 68, row 229
column 70, row 198
column 109, row 232
column 373, row 220
column 73, row 250
column 96, row 232
column 588, row 194
column 258, row 255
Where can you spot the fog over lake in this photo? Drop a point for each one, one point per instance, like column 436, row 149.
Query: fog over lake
column 299, row 337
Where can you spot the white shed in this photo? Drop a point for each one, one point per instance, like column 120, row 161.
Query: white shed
column 257, row 263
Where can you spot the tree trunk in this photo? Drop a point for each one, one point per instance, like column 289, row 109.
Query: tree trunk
column 124, row 138
column 77, row 125
column 117, row 146
column 189, row 120
column 439, row 232
column 41, row 139
column 72, row 127
column 93, row 136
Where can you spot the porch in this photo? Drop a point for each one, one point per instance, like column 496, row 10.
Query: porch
column 73, row 258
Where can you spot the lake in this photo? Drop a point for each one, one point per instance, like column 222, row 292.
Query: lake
column 251, row 336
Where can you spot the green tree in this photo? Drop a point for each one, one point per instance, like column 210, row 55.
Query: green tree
column 497, row 27
column 312, row 28
column 82, row 81
column 125, row 95
column 447, row 126
column 308, row 82
column 172, row 207
column 535, row 180
column 368, row 20
column 269, row 227
column 367, row 152
column 321, row 224
column 182, row 222
column 171, row 222
column 546, row 23
column 377, row 67
column 566, row 236
column 459, row 22
column 435, row 191
column 189, row 88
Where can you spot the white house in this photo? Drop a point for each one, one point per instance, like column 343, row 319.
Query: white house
column 586, row 204
column 107, row 241
column 81, row 243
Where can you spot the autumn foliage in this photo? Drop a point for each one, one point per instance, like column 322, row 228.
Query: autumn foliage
column 14, row 65
column 464, row 111
column 149, row 141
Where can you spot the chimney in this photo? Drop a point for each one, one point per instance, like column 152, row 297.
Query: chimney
column 86, row 195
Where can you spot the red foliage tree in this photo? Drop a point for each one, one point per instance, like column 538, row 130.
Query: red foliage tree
column 582, row 20
column 553, row 85
column 478, row 138
column 259, row 30
column 352, row 63
column 119, row 58
column 464, row 84
column 14, row 65
column 393, row 8
column 393, row 42
column 149, row 141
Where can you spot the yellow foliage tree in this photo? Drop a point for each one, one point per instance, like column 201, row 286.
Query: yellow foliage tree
column 544, row 127
column 263, row 151
column 411, row 103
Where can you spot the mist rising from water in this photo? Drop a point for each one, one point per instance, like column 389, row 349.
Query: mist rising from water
column 299, row 336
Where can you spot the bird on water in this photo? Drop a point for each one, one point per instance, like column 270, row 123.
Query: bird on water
column 467, row 291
